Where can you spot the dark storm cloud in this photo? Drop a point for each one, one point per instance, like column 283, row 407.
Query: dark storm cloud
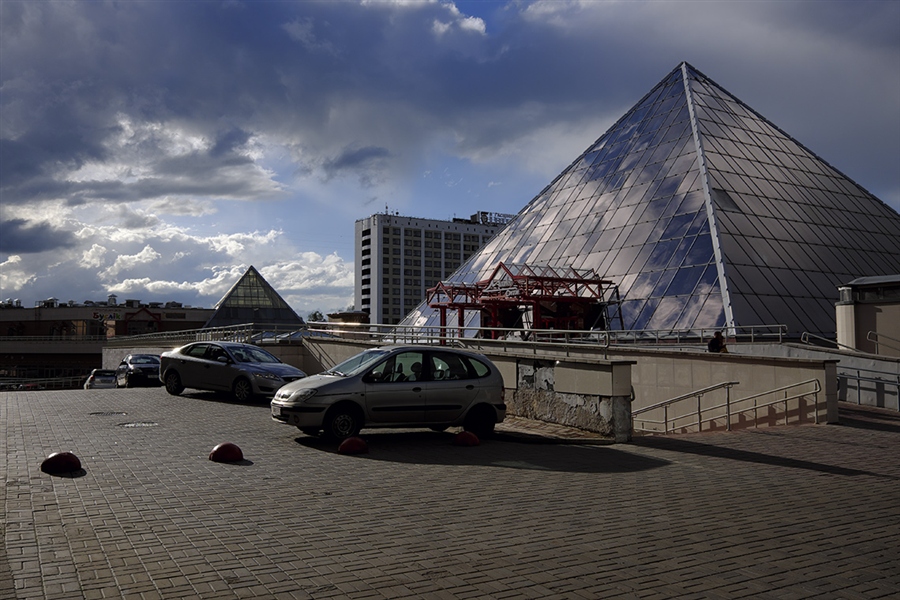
column 17, row 236
column 289, row 68
column 364, row 162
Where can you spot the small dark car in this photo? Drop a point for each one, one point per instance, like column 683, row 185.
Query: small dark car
column 247, row 371
column 138, row 369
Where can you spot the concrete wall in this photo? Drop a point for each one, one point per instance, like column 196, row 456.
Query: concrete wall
column 594, row 396
column 661, row 375
column 866, row 379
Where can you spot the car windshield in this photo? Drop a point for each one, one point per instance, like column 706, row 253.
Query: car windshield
column 252, row 354
column 144, row 360
column 358, row 363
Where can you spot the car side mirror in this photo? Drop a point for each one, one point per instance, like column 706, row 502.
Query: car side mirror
column 374, row 376
column 223, row 359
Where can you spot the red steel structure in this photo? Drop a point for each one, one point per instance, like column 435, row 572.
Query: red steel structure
column 573, row 299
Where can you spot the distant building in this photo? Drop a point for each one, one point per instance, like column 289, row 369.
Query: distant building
column 868, row 315
column 58, row 339
column 399, row 258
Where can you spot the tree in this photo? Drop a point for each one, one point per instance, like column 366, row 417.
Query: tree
column 315, row 316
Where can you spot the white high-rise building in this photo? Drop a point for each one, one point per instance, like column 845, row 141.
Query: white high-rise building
column 399, row 258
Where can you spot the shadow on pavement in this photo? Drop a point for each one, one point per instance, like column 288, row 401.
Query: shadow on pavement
column 430, row 448
column 867, row 417
column 225, row 398
column 691, row 447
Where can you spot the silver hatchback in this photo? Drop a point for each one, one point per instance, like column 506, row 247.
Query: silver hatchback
column 396, row 386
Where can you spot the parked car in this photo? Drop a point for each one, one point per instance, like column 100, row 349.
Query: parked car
column 138, row 369
column 396, row 386
column 245, row 370
column 100, row 378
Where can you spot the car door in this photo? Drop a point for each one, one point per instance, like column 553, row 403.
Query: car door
column 395, row 391
column 189, row 364
column 453, row 385
column 217, row 372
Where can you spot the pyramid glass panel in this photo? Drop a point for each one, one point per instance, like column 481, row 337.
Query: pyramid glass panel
column 253, row 300
column 705, row 215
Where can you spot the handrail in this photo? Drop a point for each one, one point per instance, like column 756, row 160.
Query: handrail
column 859, row 378
column 754, row 332
column 804, row 338
column 41, row 383
column 877, row 342
column 700, row 392
column 384, row 333
column 73, row 339
column 728, row 405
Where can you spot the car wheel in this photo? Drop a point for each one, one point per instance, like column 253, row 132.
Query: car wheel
column 312, row 431
column 173, row 383
column 242, row 389
column 480, row 421
column 342, row 421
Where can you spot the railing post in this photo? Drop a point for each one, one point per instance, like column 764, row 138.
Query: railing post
column 699, row 413
column 727, row 408
column 816, row 405
column 785, row 407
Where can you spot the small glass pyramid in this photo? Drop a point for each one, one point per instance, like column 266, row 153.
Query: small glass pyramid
column 705, row 215
column 252, row 300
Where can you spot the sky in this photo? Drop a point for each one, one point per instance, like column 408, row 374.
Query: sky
column 155, row 150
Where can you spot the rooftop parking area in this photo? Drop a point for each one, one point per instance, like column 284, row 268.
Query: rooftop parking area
column 537, row 512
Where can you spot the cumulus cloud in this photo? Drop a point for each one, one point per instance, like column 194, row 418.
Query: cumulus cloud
column 126, row 166
column 129, row 262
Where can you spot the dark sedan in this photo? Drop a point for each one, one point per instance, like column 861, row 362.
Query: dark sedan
column 138, row 369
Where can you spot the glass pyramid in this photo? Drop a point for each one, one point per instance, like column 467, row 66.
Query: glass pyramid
column 252, row 300
column 705, row 215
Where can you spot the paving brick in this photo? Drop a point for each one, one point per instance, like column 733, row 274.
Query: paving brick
column 788, row 512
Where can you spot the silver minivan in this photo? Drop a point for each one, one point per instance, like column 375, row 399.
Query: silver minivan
column 396, row 386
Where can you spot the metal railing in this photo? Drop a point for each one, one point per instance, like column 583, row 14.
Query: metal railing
column 56, row 339
column 805, row 338
column 877, row 378
column 698, row 394
column 749, row 333
column 265, row 333
column 498, row 339
column 42, row 383
column 247, row 332
column 731, row 408
column 879, row 343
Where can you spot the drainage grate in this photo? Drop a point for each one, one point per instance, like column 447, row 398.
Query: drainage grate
column 139, row 424
column 109, row 413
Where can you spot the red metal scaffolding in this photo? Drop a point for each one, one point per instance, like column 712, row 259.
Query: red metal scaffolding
column 552, row 299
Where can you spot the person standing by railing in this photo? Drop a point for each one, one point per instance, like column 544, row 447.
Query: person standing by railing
column 717, row 343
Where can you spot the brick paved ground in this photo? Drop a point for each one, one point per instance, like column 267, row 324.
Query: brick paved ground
column 796, row 512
